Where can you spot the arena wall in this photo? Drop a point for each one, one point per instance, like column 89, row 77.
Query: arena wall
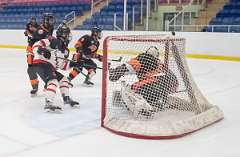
column 223, row 46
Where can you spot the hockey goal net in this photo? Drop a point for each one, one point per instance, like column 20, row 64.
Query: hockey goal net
column 149, row 101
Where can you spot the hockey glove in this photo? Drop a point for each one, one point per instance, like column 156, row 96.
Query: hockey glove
column 45, row 52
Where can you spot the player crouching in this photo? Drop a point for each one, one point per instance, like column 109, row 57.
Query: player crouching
column 155, row 82
column 49, row 56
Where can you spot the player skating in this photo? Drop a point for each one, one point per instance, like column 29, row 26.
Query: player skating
column 30, row 29
column 49, row 56
column 155, row 82
column 86, row 50
column 44, row 30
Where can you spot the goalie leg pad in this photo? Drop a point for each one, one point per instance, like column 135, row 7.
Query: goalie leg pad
column 135, row 102
column 117, row 99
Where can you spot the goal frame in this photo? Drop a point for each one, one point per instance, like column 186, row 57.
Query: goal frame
column 104, row 82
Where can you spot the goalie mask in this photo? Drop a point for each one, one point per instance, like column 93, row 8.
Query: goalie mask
column 153, row 50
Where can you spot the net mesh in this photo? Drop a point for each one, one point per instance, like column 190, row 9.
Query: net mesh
column 151, row 88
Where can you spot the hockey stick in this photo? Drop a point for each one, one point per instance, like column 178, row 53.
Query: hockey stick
column 83, row 65
column 72, row 61
column 116, row 60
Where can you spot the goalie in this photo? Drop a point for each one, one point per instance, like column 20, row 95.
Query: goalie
column 155, row 82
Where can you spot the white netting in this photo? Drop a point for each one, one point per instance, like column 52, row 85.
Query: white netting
column 151, row 96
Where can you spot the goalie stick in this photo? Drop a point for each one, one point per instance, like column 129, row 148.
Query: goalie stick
column 116, row 60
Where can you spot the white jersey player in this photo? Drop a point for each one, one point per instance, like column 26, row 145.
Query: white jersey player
column 49, row 56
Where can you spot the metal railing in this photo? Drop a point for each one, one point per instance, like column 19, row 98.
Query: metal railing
column 181, row 2
column 173, row 21
column 206, row 28
column 96, row 2
column 126, row 16
column 70, row 18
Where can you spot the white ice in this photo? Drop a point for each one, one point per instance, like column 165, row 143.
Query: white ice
column 27, row 131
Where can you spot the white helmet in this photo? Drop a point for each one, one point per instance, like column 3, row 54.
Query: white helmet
column 153, row 50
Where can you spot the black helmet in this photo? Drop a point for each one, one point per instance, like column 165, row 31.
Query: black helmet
column 48, row 19
column 33, row 20
column 96, row 31
column 64, row 34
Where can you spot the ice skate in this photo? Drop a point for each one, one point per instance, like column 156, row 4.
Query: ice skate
column 34, row 91
column 67, row 100
column 49, row 107
column 87, row 82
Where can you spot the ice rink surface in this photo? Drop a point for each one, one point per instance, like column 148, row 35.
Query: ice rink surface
column 27, row 131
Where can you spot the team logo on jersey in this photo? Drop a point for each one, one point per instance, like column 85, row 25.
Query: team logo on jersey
column 40, row 31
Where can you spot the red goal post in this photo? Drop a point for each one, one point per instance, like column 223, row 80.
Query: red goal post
column 184, row 111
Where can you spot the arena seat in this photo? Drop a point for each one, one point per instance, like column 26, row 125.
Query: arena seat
column 18, row 12
column 105, row 16
column 229, row 16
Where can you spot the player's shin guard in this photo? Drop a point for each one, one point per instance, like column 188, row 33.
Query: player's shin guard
column 50, row 94
column 64, row 86
column 51, row 89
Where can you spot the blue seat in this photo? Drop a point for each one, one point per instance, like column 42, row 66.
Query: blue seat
column 227, row 21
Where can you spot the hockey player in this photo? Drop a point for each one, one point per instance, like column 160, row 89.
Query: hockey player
column 43, row 31
column 155, row 82
column 86, row 49
column 65, row 26
column 49, row 56
column 31, row 27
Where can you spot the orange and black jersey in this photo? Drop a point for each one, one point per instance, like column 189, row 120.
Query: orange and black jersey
column 87, row 46
column 42, row 33
column 145, row 65
column 155, row 81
